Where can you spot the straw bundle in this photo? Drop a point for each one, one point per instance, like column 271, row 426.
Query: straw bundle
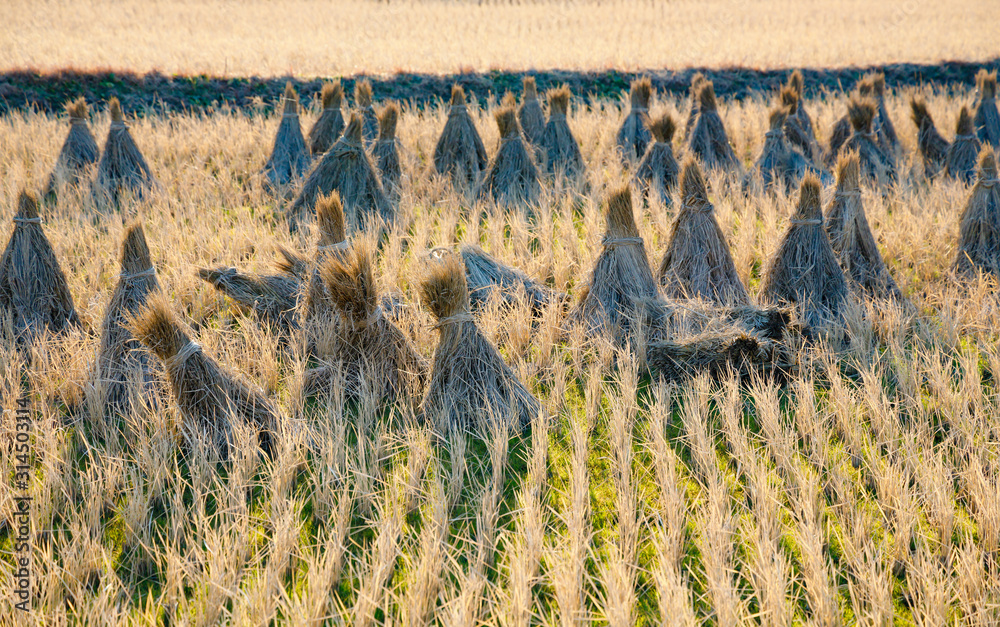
column 511, row 179
column 210, row 399
column 696, row 82
column 122, row 167
column 385, row 153
column 348, row 169
column 122, row 361
column 798, row 126
column 634, row 136
column 369, row 120
column 330, row 123
column 530, row 114
column 621, row 276
column 987, row 119
column 79, row 150
column 778, row 167
column 560, row 151
column 979, row 230
column 961, row 156
column 459, row 152
column 717, row 353
column 371, row 352
column 804, row 271
column 697, row 263
column 876, row 165
column 932, row 145
column 842, row 128
column 884, row 128
column 272, row 298
column 657, row 172
column 796, row 83
column 290, row 157
column 470, row 384
column 708, row 139
column 490, row 279
column 851, row 238
column 34, row 295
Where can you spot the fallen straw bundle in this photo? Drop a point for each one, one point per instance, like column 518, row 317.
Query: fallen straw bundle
column 876, row 165
column 363, row 101
column 778, row 167
column 717, row 353
column 530, row 114
column 708, row 139
column 348, row 169
column 932, row 145
column 210, row 399
column 272, row 298
column 961, row 156
column 560, row 151
column 634, row 136
column 511, row 179
column 697, row 263
column 369, row 351
column 385, row 153
column 851, row 238
column 79, row 150
column 804, row 271
column 696, row 80
column 289, row 157
column 122, row 168
column 459, row 152
column 657, row 172
column 979, row 230
column 987, row 119
column 621, row 276
column 798, row 126
column 34, row 296
column 122, row 361
column 330, row 123
column 470, row 384
column 489, row 279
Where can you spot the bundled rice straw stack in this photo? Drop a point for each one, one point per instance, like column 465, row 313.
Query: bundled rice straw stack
column 385, row 153
column 330, row 123
column 634, row 136
column 289, row 157
column 489, row 279
column 530, row 114
column 804, row 271
column 459, row 152
column 778, row 167
column 123, row 363
column 987, row 119
column 272, row 298
column 348, row 169
column 211, row 399
column 511, row 179
column 34, row 295
column 933, row 147
column 657, row 172
column 884, row 128
column 79, row 150
column 363, row 100
column 979, row 230
column 122, row 168
column 331, row 240
column 471, row 386
column 798, row 128
column 375, row 357
column 708, row 139
column 851, row 237
column 696, row 82
column 876, row 165
column 697, row 263
column 621, row 276
column 961, row 156
column 870, row 87
column 560, row 151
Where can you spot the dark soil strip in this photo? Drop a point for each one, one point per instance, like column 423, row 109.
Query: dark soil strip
column 155, row 93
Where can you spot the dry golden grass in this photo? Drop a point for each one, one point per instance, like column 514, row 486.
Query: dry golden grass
column 313, row 38
column 864, row 491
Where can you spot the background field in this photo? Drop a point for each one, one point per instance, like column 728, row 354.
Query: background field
column 314, row 38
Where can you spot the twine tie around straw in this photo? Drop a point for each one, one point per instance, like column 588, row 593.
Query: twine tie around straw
column 150, row 271
column 20, row 220
column 457, row 109
column 811, row 222
column 848, row 193
column 373, row 317
column 290, row 115
column 639, row 109
column 177, row 360
column 338, row 246
column 462, row 316
column 777, row 132
column 611, row 242
column 965, row 138
column 117, row 126
column 702, row 207
column 988, row 182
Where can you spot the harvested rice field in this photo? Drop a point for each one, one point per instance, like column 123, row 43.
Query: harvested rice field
column 654, row 359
